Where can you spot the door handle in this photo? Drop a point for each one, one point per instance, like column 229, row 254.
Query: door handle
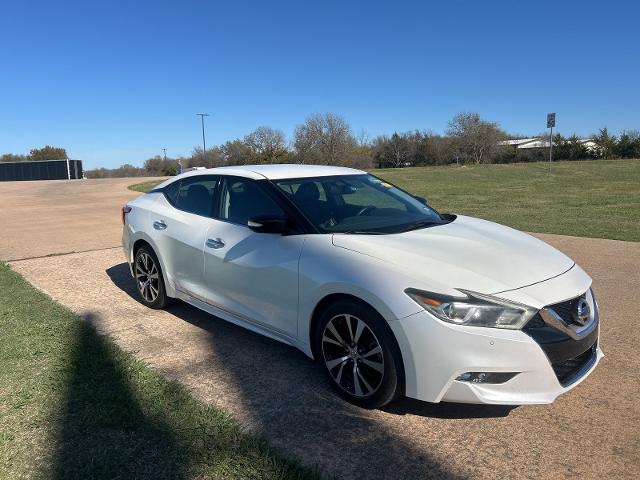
column 215, row 243
column 159, row 225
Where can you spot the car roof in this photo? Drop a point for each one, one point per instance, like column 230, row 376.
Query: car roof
column 270, row 172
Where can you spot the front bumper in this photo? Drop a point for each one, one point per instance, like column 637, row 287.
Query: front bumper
column 436, row 353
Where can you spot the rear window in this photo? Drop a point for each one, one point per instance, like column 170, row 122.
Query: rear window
column 171, row 192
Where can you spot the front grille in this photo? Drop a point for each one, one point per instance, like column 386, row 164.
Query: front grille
column 567, row 309
column 535, row 323
column 568, row 371
column 569, row 356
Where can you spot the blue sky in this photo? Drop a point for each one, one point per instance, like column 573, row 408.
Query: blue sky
column 114, row 82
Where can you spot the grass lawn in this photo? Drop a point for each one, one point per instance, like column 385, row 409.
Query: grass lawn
column 586, row 199
column 73, row 405
column 145, row 186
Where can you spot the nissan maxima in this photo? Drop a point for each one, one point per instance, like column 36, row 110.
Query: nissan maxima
column 392, row 297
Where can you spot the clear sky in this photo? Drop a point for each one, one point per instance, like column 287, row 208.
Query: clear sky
column 116, row 81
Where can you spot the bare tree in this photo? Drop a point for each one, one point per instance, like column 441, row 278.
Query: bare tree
column 395, row 151
column 268, row 144
column 363, row 139
column 475, row 138
column 324, row 138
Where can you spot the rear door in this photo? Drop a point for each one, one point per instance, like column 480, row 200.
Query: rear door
column 180, row 230
column 252, row 275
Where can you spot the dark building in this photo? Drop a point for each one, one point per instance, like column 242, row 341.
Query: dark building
column 41, row 170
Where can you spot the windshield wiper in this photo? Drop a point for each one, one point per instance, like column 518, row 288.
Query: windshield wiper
column 419, row 225
column 361, row 232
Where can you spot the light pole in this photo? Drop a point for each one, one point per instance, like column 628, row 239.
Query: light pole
column 204, row 143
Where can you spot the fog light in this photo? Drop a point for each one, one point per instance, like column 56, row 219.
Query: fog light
column 486, row 377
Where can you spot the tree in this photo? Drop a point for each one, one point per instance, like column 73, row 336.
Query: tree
column 606, row 143
column 269, row 145
column 48, row 153
column 475, row 138
column 324, row 139
column 432, row 149
column 159, row 167
column 213, row 158
column 10, row 157
column 395, row 151
column 628, row 145
column 237, row 152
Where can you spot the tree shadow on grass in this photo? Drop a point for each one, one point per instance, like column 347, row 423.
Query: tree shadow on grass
column 103, row 431
column 283, row 395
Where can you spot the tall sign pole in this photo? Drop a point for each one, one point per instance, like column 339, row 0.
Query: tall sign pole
column 551, row 122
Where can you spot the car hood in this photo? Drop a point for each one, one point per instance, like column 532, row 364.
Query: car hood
column 467, row 253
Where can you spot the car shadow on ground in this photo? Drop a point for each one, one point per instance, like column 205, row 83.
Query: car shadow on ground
column 284, row 396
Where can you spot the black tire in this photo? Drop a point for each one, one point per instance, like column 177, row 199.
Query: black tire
column 364, row 379
column 149, row 281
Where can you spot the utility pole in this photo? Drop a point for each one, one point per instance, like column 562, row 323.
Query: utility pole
column 204, row 143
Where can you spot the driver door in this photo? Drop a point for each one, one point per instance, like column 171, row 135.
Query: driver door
column 252, row 275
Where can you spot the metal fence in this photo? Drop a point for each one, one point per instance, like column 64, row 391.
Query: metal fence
column 41, row 170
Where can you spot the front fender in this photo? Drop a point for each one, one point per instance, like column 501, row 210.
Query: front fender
column 326, row 270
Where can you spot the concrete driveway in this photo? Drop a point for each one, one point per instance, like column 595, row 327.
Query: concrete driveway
column 591, row 432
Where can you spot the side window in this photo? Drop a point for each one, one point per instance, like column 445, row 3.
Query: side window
column 196, row 195
column 242, row 199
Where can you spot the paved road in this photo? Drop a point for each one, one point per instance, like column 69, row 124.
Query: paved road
column 61, row 216
column 591, row 432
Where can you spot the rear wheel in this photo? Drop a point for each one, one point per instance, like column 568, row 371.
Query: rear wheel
column 359, row 354
column 148, row 275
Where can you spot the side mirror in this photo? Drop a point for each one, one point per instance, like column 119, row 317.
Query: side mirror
column 267, row 224
column 422, row 200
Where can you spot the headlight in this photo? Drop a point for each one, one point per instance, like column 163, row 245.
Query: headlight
column 474, row 309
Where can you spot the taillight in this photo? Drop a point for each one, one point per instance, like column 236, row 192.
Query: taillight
column 126, row 209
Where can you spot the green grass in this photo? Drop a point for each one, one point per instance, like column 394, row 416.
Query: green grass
column 73, row 405
column 144, row 187
column 586, row 199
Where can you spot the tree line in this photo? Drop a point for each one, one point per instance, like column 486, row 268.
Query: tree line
column 45, row 153
column 328, row 139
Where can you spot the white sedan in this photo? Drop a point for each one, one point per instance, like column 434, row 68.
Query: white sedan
column 392, row 297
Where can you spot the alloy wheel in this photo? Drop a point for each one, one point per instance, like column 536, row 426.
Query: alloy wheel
column 147, row 277
column 353, row 355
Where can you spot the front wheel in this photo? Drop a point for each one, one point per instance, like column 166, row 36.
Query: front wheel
column 148, row 275
column 359, row 354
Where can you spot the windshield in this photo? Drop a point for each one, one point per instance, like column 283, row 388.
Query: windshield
column 358, row 204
